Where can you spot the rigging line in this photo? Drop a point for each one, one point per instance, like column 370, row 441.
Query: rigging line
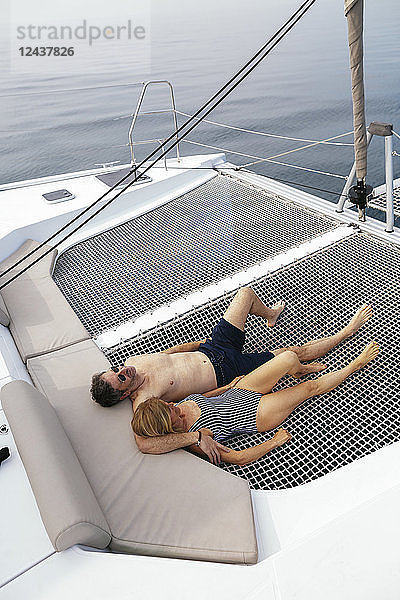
column 316, row 143
column 284, row 29
column 264, row 51
column 283, row 137
column 396, row 134
column 273, row 135
column 305, row 147
column 277, row 162
column 80, row 89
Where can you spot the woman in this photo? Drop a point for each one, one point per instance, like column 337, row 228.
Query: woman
column 244, row 406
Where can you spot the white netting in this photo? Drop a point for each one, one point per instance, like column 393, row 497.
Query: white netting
column 209, row 233
column 219, row 229
column 380, row 202
column 322, row 293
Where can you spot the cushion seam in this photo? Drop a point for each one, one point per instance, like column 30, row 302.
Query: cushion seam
column 50, row 351
column 80, row 522
column 184, row 547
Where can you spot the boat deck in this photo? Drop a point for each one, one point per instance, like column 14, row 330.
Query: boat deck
column 216, row 231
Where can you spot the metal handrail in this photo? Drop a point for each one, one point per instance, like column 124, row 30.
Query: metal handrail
column 167, row 110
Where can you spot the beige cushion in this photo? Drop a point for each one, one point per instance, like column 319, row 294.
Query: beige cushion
column 41, row 320
column 4, row 317
column 168, row 505
column 69, row 509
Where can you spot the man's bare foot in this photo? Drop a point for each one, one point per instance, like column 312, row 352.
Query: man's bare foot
column 314, row 367
column 362, row 315
column 276, row 311
column 369, row 353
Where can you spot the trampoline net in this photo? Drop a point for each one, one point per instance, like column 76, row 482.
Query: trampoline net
column 219, row 229
column 380, row 202
column 322, row 293
column 201, row 237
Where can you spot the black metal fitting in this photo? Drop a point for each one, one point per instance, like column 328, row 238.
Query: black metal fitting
column 4, row 454
column 359, row 194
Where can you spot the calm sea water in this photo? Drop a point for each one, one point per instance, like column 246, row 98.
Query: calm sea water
column 302, row 89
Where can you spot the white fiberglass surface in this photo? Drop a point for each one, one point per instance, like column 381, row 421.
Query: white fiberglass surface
column 24, row 541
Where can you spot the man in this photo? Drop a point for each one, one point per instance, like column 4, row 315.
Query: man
column 197, row 367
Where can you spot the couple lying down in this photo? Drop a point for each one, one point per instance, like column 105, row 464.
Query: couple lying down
column 244, row 406
column 208, row 408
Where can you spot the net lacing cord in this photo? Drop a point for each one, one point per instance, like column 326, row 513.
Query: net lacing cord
column 243, row 73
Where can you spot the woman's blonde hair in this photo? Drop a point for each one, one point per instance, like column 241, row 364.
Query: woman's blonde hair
column 151, row 418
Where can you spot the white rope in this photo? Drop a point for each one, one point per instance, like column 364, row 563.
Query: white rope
column 273, row 135
column 296, row 150
column 263, row 160
column 396, row 134
column 77, row 89
column 282, row 137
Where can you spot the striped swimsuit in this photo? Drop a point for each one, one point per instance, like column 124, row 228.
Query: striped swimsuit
column 229, row 414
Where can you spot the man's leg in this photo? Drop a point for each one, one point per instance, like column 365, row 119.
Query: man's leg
column 274, row 408
column 246, row 302
column 317, row 348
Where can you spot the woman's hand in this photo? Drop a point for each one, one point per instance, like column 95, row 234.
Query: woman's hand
column 281, row 437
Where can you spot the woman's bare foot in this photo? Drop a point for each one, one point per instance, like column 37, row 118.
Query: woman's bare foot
column 362, row 315
column 314, row 367
column 276, row 311
column 369, row 353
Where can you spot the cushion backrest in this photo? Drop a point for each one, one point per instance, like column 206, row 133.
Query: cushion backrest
column 4, row 316
column 41, row 320
column 167, row 505
column 69, row 509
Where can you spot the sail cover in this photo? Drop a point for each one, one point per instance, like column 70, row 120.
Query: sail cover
column 353, row 9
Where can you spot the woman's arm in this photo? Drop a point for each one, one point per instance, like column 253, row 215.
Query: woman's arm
column 248, row 455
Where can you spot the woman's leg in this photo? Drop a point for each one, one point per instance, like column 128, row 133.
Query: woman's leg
column 274, row 408
column 265, row 377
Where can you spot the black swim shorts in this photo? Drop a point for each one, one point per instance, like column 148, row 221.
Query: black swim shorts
column 224, row 349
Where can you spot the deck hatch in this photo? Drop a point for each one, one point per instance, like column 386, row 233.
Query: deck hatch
column 113, row 177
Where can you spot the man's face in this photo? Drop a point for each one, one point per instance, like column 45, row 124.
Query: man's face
column 177, row 417
column 121, row 378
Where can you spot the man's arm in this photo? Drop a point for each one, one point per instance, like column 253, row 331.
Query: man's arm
column 172, row 441
column 188, row 347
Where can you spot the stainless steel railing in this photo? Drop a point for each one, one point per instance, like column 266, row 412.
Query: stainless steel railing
column 172, row 109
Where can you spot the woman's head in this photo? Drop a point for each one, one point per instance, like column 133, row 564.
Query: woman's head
column 155, row 417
